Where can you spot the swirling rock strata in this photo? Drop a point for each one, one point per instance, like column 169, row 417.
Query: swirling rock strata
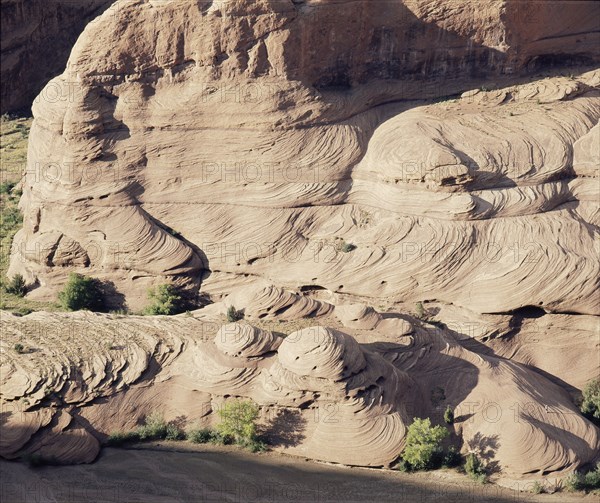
column 213, row 143
column 351, row 402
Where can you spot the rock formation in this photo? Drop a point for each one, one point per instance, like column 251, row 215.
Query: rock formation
column 307, row 159
column 37, row 37
column 83, row 376
column 222, row 122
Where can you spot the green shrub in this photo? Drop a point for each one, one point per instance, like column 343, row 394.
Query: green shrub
column 173, row 432
column 255, row 446
column 420, row 310
column 577, row 481
column 11, row 218
column 449, row 415
column 590, row 406
column 154, row 428
column 165, row 300
column 16, row 286
column 475, row 468
column 452, row 458
column 423, row 443
column 19, row 348
column 574, row 482
column 591, row 479
column 233, row 314
column 238, row 421
column 201, row 436
column 82, row 292
column 219, row 438
column 347, row 247
column 6, row 187
column 119, row 438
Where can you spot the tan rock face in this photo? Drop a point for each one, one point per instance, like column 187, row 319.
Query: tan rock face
column 83, row 376
column 37, row 37
column 253, row 130
column 283, row 156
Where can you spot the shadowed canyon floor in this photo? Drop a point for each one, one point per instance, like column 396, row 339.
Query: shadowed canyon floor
column 160, row 475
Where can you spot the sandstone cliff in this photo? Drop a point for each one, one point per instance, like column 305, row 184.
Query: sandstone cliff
column 37, row 37
column 239, row 148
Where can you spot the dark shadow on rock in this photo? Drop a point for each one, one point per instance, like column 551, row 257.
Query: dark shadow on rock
column 286, row 429
column 485, row 447
column 113, row 299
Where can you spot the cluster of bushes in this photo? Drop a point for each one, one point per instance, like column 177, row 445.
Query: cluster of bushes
column 154, row 428
column 237, row 426
column 423, row 450
column 589, row 481
column 86, row 293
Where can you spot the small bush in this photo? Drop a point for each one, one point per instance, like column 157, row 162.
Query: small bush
column 420, row 310
column 475, row 468
column 201, row 436
column 16, row 286
column 255, row 446
column 19, row 348
column 452, row 458
column 173, row 432
column 154, row 428
column 82, row 292
column 423, row 443
column 537, row 488
column 590, row 406
column 449, row 415
column 347, row 247
column 219, row 438
column 233, row 314
column 165, row 300
column 238, row 421
column 119, row 438
column 574, row 482
column 591, row 479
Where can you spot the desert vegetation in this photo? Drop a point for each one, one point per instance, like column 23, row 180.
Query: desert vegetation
column 165, row 299
column 588, row 481
column 82, row 292
column 233, row 314
column 238, row 426
column 590, row 404
column 14, row 134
